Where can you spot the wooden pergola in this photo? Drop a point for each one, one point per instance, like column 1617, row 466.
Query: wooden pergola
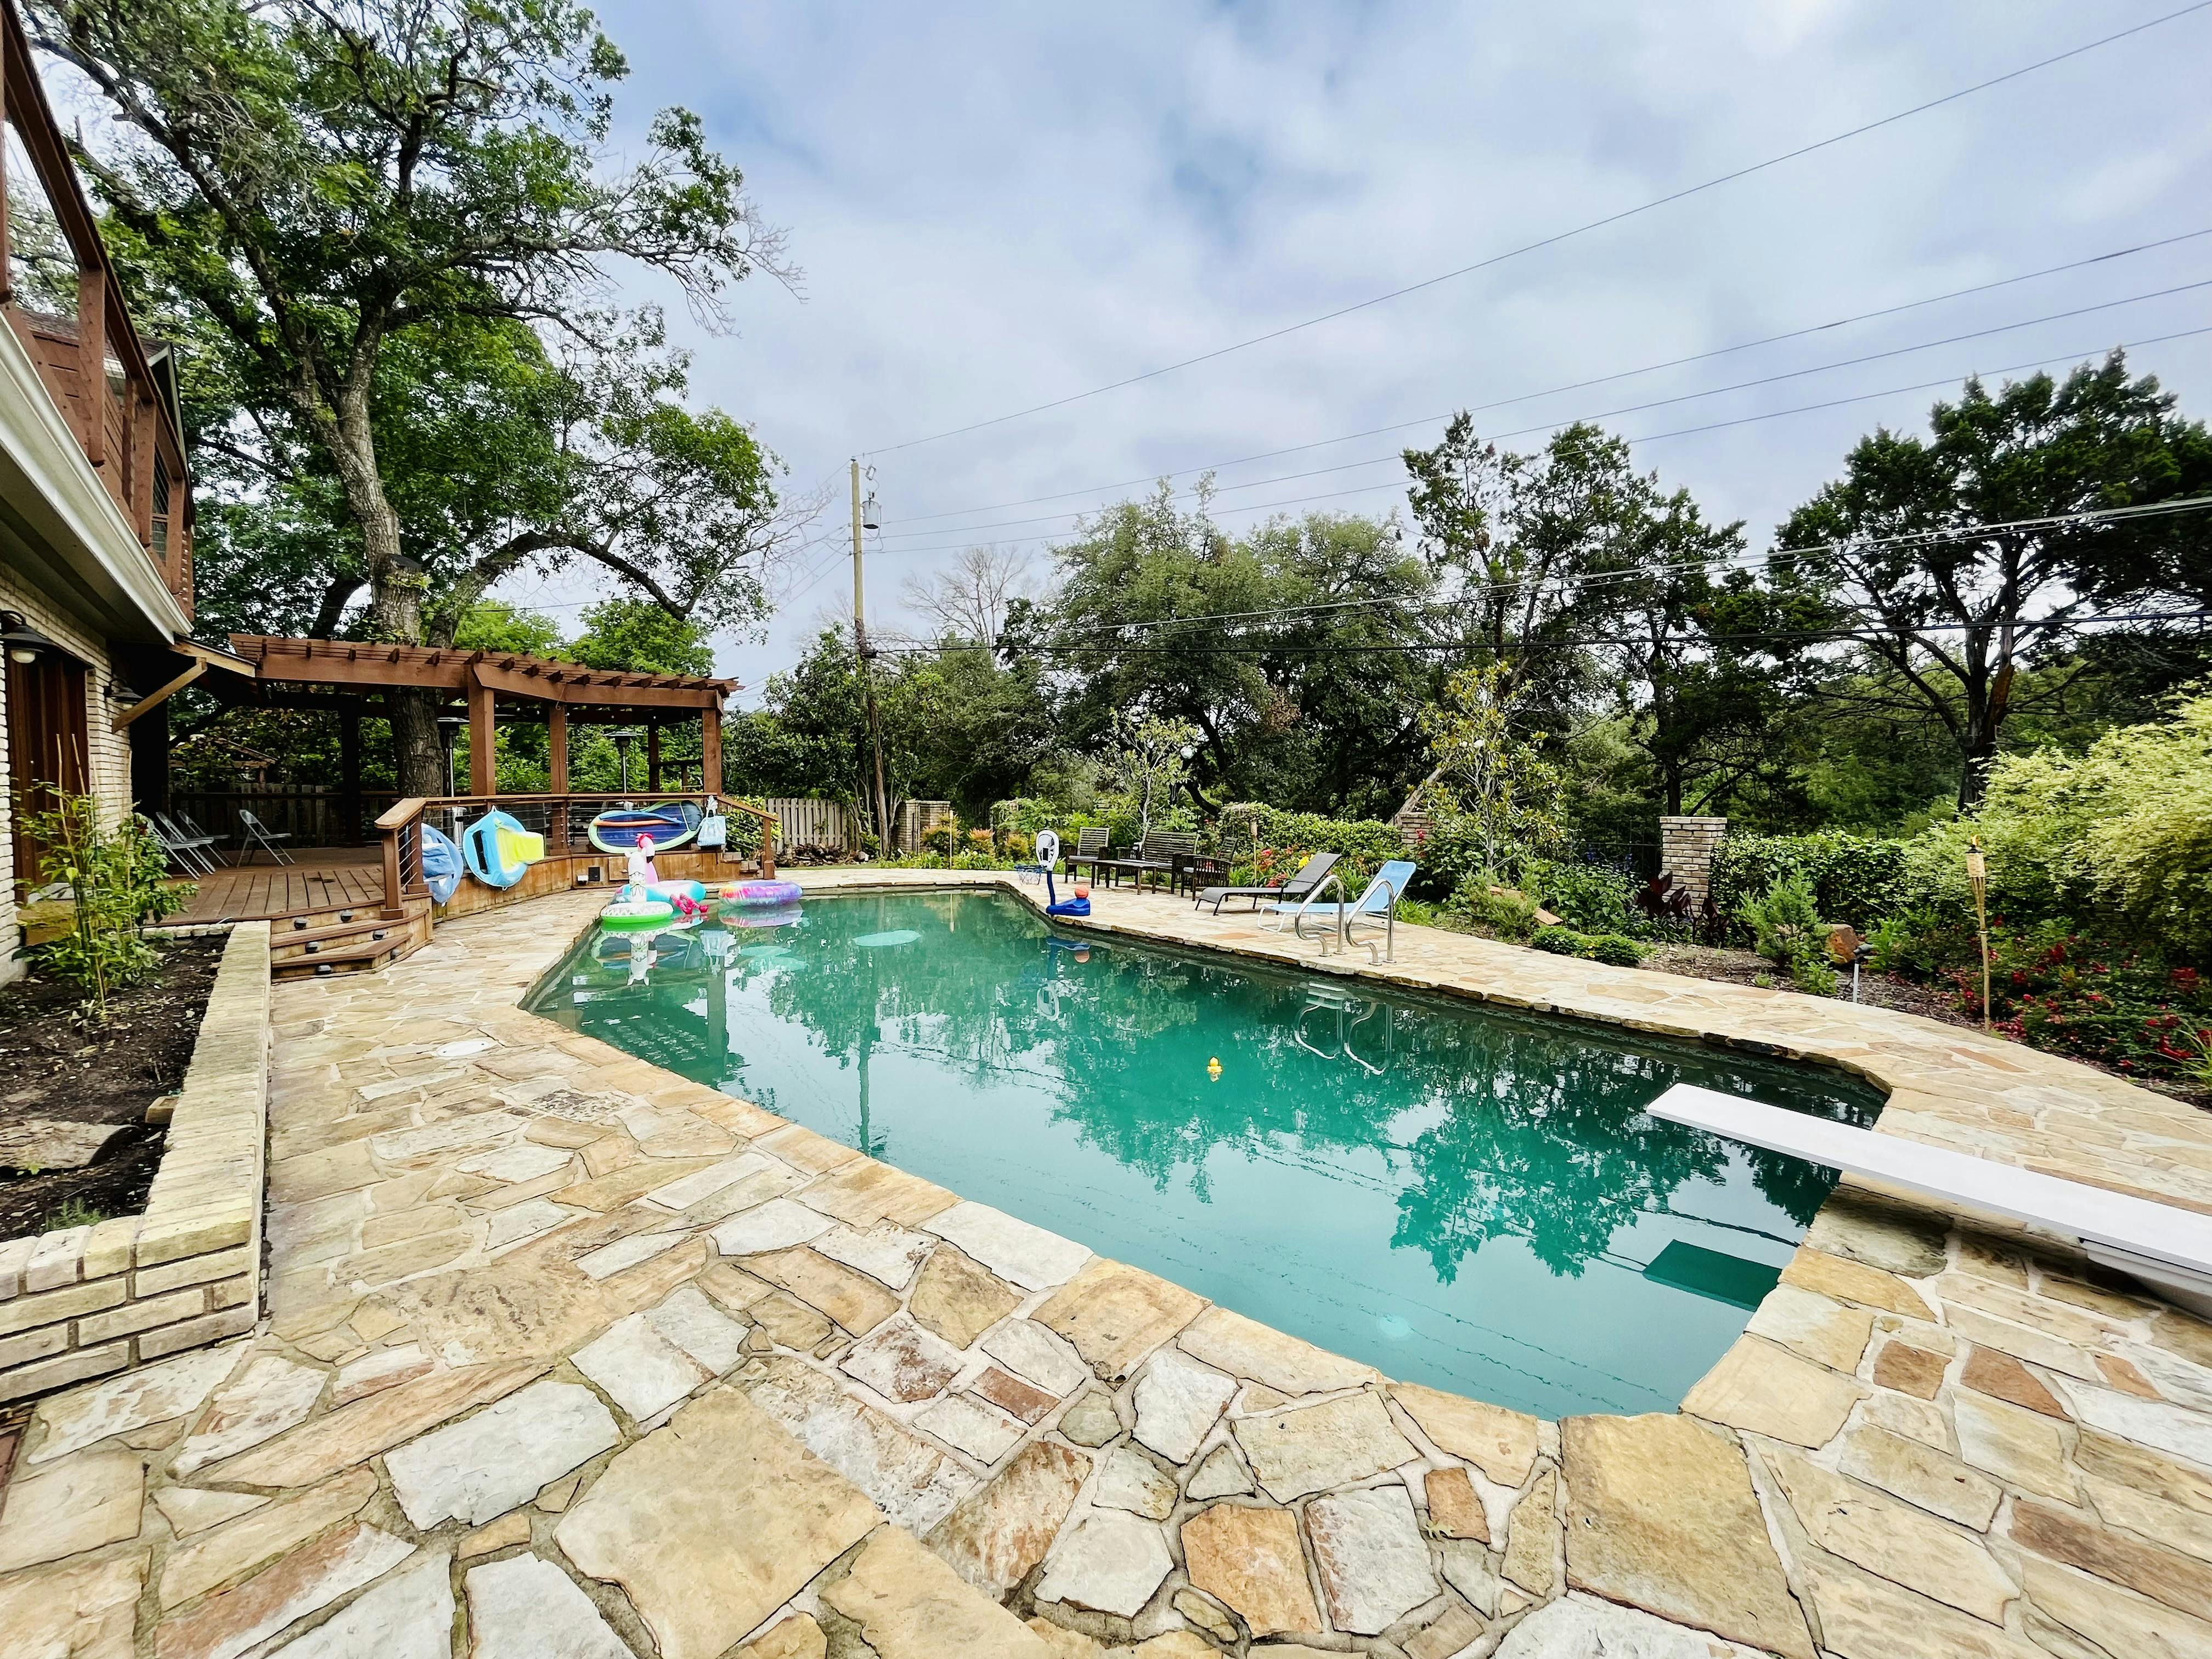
column 352, row 679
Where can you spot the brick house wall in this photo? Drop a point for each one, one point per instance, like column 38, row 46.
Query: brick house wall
column 110, row 757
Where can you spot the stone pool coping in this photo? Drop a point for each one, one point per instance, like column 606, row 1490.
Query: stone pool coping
column 186, row 1271
column 510, row 1363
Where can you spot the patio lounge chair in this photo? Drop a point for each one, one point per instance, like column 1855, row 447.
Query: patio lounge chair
column 1300, row 885
column 1376, row 907
column 256, row 833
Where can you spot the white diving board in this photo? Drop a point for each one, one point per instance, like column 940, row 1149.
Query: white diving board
column 2168, row 1248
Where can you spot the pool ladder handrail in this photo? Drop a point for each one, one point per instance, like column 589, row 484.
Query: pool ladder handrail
column 1346, row 916
column 1298, row 916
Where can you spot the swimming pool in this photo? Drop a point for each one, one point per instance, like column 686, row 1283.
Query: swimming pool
column 1458, row 1196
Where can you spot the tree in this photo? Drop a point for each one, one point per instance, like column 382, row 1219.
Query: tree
column 1936, row 557
column 1295, row 649
column 1486, row 772
column 1699, row 655
column 1148, row 761
column 322, row 186
column 1511, row 540
column 641, row 637
column 969, row 601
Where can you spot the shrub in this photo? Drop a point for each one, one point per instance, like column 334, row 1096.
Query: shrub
column 1510, row 914
column 1591, row 897
column 1921, row 943
column 1814, row 974
column 2116, row 842
column 118, row 881
column 1614, row 948
column 939, row 840
column 1785, row 922
column 2057, row 989
column 1854, row 879
column 1248, row 829
column 1561, row 941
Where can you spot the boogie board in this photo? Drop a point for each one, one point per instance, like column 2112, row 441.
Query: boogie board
column 441, row 863
column 669, row 825
column 498, row 849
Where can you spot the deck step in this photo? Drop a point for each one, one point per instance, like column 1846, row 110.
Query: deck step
column 286, row 941
column 348, row 947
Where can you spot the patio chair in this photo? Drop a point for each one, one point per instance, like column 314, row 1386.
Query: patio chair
column 1302, row 882
column 1091, row 846
column 1376, row 907
column 188, row 852
column 255, row 833
column 192, row 826
column 1157, row 854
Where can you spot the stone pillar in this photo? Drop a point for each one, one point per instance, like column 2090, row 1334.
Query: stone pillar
column 1687, row 847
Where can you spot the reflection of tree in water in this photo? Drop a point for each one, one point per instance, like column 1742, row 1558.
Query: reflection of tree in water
column 1531, row 1128
column 1545, row 1138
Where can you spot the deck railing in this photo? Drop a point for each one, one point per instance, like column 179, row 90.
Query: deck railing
column 563, row 819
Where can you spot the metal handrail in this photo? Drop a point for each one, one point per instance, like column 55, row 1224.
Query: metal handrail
column 1390, row 926
column 1298, row 917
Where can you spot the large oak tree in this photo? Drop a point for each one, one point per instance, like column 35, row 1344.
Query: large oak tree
column 398, row 224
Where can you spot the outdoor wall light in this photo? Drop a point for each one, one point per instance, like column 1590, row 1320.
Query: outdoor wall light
column 25, row 643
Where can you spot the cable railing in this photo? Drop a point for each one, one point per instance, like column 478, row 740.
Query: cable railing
column 564, row 820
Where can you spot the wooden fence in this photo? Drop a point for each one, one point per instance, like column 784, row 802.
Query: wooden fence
column 812, row 824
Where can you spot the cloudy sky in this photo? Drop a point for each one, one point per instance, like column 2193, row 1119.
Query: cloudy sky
column 999, row 207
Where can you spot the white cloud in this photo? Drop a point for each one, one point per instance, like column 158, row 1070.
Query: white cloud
column 998, row 205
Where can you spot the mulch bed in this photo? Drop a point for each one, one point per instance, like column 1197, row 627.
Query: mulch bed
column 53, row 1067
column 1877, row 991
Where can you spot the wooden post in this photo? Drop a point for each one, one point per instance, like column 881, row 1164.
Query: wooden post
column 710, row 749
column 556, row 742
column 483, row 755
column 652, row 756
column 349, row 774
column 91, row 360
column 556, row 767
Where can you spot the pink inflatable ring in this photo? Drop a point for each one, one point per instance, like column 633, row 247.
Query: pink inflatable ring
column 762, row 892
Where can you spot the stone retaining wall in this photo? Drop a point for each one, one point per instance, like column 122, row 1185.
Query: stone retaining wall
column 91, row 1300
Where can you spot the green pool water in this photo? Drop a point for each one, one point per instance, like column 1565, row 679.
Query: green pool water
column 1463, row 1197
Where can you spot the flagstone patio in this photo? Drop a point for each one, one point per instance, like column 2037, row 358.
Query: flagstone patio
column 565, row 1355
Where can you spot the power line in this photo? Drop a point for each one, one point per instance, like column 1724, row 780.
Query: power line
column 1579, row 386
column 1559, row 237
column 2027, row 624
column 1747, row 562
column 1634, row 408
column 1678, row 432
column 1744, row 561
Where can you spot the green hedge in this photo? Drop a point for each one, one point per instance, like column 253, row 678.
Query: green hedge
column 1248, row 828
column 1856, row 878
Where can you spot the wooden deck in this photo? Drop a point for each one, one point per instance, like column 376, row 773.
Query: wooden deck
column 324, row 878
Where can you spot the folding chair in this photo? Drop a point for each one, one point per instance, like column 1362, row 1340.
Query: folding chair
column 258, row 833
column 187, row 852
column 192, row 827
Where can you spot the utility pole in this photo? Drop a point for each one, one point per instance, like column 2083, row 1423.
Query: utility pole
column 868, row 676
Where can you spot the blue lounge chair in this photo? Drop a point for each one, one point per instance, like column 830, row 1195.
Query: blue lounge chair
column 1376, row 907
